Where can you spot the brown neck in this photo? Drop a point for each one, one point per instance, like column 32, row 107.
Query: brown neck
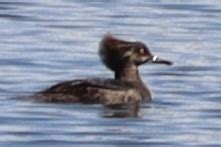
column 128, row 73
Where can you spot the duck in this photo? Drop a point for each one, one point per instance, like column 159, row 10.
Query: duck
column 123, row 58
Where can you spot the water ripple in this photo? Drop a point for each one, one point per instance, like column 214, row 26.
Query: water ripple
column 45, row 42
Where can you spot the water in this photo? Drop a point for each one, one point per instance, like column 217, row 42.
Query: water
column 44, row 42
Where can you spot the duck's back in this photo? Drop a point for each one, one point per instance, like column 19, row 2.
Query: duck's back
column 91, row 91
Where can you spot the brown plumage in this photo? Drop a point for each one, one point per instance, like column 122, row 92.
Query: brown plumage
column 113, row 51
column 123, row 58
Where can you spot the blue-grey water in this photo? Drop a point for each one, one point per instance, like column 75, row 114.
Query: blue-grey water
column 48, row 41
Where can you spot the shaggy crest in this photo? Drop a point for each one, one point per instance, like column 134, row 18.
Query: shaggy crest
column 112, row 51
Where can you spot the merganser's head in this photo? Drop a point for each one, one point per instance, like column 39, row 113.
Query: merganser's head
column 116, row 53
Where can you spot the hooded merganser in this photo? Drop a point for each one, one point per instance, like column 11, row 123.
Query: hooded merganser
column 123, row 58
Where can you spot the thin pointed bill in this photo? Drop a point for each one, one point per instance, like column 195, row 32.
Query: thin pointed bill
column 157, row 60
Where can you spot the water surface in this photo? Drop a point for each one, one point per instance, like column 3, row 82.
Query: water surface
column 44, row 42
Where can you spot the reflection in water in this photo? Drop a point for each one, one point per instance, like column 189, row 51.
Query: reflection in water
column 121, row 111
